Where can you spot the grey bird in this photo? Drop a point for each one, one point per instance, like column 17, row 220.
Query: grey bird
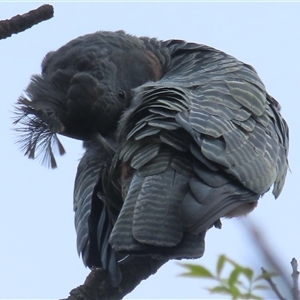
column 178, row 135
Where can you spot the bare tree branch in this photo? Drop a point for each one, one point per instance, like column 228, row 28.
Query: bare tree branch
column 272, row 285
column 22, row 22
column 97, row 286
column 295, row 276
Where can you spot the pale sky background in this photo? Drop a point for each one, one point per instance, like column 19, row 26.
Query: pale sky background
column 38, row 257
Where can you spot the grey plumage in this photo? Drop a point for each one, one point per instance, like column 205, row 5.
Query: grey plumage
column 226, row 139
column 177, row 136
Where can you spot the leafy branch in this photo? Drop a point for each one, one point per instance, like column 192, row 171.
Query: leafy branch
column 241, row 282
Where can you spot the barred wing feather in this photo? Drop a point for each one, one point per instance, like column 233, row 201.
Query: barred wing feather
column 206, row 141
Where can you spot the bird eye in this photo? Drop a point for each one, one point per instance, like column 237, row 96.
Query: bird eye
column 121, row 94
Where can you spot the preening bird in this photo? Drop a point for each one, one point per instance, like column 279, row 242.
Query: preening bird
column 178, row 135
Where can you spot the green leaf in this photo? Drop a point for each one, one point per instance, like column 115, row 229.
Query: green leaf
column 197, row 271
column 235, row 292
column 220, row 264
column 261, row 287
column 233, row 262
column 233, row 278
column 266, row 275
column 248, row 273
column 220, row 290
column 251, row 296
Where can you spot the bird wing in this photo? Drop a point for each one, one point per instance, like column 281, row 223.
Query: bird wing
column 94, row 218
column 203, row 142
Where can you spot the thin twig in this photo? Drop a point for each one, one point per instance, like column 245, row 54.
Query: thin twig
column 268, row 253
column 272, row 285
column 295, row 276
column 22, row 22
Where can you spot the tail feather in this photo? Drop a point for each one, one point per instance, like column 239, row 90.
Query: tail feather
column 156, row 222
column 147, row 227
column 121, row 237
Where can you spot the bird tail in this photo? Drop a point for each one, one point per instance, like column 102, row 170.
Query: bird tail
column 149, row 222
column 167, row 214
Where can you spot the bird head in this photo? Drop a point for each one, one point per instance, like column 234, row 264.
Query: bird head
column 83, row 89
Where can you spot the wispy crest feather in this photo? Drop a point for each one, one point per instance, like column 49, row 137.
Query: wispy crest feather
column 35, row 137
